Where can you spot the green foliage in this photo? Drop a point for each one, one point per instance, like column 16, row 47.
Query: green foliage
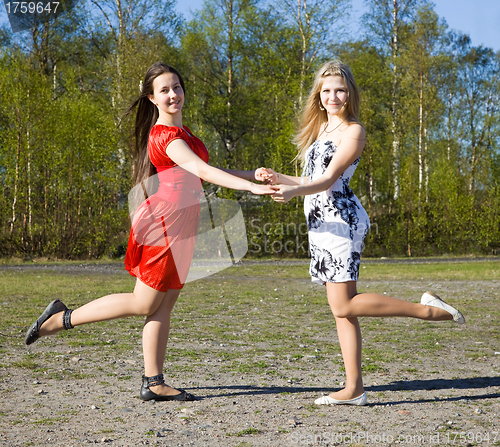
column 429, row 176
column 62, row 178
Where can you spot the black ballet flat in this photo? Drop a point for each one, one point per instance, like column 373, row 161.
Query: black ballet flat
column 53, row 308
column 147, row 394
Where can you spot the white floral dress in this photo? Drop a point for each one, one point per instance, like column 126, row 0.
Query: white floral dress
column 336, row 220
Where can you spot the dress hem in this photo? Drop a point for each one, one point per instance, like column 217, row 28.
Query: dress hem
column 155, row 287
column 320, row 282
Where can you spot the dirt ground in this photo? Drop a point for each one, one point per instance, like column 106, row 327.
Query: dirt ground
column 452, row 398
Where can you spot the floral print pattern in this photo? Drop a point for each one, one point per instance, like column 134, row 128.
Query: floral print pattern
column 324, row 264
column 342, row 203
column 354, row 265
column 315, row 216
column 336, row 220
column 327, row 155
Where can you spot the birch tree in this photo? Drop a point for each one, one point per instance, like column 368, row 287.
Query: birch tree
column 216, row 52
column 318, row 23
column 385, row 22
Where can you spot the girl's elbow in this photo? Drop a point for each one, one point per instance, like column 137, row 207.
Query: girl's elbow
column 206, row 173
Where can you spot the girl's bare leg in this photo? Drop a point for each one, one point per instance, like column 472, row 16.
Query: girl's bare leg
column 155, row 339
column 144, row 300
column 349, row 335
column 345, row 302
column 346, row 305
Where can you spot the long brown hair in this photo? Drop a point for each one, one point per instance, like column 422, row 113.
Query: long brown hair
column 145, row 119
column 313, row 118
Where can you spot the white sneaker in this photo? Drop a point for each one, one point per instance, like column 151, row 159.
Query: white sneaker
column 429, row 299
column 327, row 400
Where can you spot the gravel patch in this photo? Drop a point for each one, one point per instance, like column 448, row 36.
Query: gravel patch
column 77, row 397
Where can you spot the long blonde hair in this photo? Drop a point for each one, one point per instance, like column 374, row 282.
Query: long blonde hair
column 313, row 118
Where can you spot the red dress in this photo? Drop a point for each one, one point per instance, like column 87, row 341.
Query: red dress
column 164, row 227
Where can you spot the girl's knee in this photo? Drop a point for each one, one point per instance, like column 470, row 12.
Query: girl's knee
column 341, row 305
column 340, row 311
column 146, row 308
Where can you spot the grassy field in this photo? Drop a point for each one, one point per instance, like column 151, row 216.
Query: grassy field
column 380, row 270
column 268, row 309
column 258, row 344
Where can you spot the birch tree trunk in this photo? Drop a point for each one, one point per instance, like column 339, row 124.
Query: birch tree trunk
column 420, row 136
column 16, row 176
column 395, row 136
column 228, row 141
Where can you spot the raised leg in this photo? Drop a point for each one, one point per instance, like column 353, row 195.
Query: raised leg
column 345, row 302
column 144, row 300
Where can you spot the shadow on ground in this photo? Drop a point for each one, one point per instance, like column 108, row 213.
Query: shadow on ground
column 400, row 385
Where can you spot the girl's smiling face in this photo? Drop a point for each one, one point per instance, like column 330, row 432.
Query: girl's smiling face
column 333, row 94
column 168, row 94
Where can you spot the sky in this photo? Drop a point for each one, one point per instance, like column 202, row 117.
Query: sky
column 480, row 19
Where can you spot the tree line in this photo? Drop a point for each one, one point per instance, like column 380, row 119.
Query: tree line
column 429, row 176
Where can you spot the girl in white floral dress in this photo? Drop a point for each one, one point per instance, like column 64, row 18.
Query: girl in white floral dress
column 331, row 141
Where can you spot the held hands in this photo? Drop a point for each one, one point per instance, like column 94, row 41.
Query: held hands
column 266, row 175
column 283, row 193
column 261, row 189
column 280, row 193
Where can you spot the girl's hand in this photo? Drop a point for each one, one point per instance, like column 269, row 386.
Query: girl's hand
column 283, row 193
column 261, row 189
column 266, row 175
column 261, row 174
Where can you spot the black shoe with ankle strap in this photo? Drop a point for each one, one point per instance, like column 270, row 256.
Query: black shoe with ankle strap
column 53, row 308
column 147, row 394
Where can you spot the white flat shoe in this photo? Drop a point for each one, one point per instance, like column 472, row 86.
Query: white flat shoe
column 429, row 299
column 327, row 400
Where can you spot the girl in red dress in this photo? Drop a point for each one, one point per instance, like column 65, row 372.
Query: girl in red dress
column 163, row 230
